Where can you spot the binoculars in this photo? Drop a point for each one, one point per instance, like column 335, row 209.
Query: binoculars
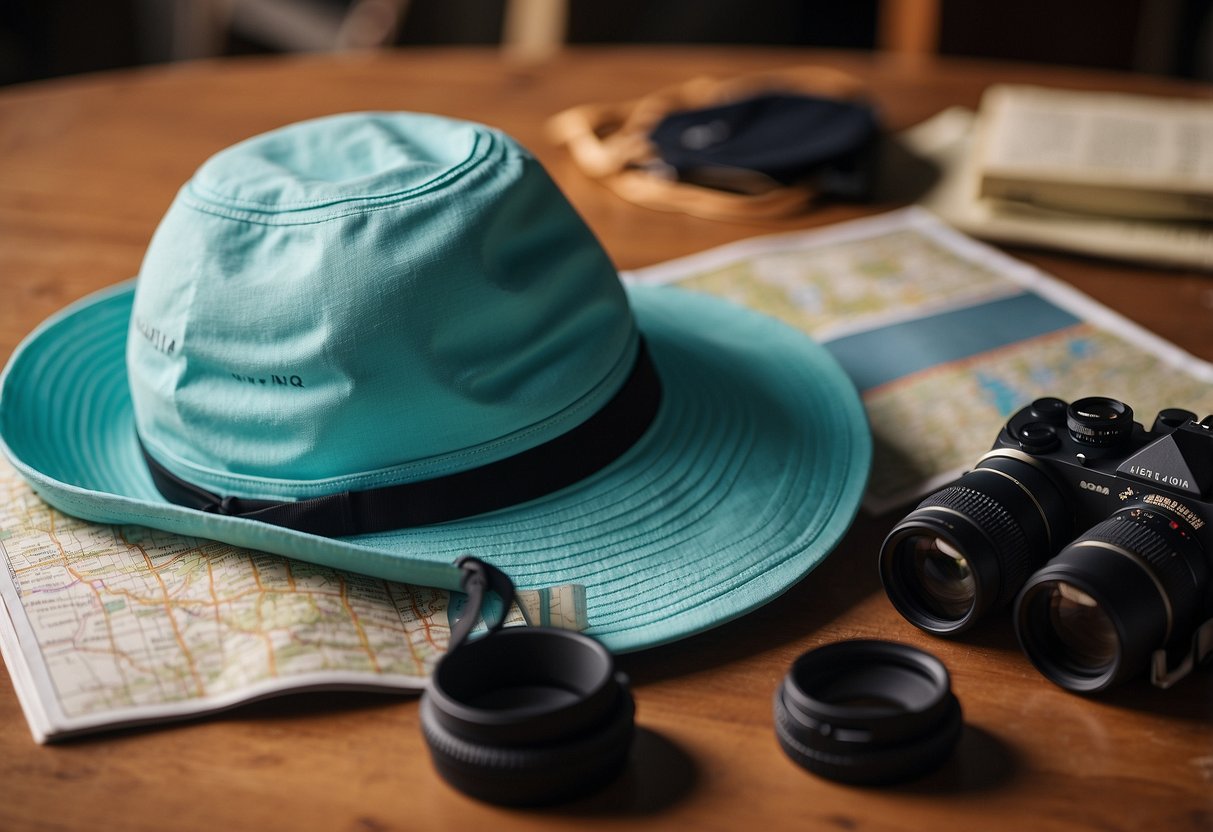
column 1095, row 531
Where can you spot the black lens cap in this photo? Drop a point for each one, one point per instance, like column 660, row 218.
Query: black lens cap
column 867, row 712
column 528, row 717
column 525, row 716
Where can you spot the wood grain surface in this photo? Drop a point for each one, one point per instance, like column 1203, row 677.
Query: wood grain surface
column 87, row 167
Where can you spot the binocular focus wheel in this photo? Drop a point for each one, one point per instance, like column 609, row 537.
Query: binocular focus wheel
column 533, row 775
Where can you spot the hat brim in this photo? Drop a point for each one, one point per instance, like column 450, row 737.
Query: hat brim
column 750, row 474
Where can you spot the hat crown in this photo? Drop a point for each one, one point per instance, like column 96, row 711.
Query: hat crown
column 369, row 299
column 349, row 158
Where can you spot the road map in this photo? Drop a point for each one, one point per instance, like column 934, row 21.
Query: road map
column 943, row 336
column 113, row 625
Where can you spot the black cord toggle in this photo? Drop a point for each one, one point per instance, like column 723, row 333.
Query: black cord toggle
column 478, row 579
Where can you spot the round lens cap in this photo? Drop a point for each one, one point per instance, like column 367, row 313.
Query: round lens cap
column 867, row 712
column 528, row 716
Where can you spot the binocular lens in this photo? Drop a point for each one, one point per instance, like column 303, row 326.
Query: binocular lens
column 1072, row 637
column 943, row 581
column 971, row 546
column 1095, row 614
column 1081, row 632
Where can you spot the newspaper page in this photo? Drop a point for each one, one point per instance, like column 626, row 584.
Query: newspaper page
column 943, row 336
column 945, row 142
column 1107, row 153
column 109, row 626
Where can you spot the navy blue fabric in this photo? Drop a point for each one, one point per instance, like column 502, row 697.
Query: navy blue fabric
column 789, row 138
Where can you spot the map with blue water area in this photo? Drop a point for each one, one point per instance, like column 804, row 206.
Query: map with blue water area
column 943, row 336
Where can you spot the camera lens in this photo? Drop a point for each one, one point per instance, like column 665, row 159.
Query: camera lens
column 969, row 547
column 1099, row 421
column 1093, row 615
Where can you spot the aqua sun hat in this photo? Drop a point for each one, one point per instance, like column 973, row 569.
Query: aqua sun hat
column 380, row 341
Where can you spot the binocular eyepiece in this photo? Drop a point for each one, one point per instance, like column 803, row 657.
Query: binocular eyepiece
column 1130, row 593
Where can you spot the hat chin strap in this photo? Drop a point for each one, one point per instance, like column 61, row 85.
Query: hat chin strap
column 560, row 462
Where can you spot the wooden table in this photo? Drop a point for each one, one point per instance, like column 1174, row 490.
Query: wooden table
column 88, row 166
